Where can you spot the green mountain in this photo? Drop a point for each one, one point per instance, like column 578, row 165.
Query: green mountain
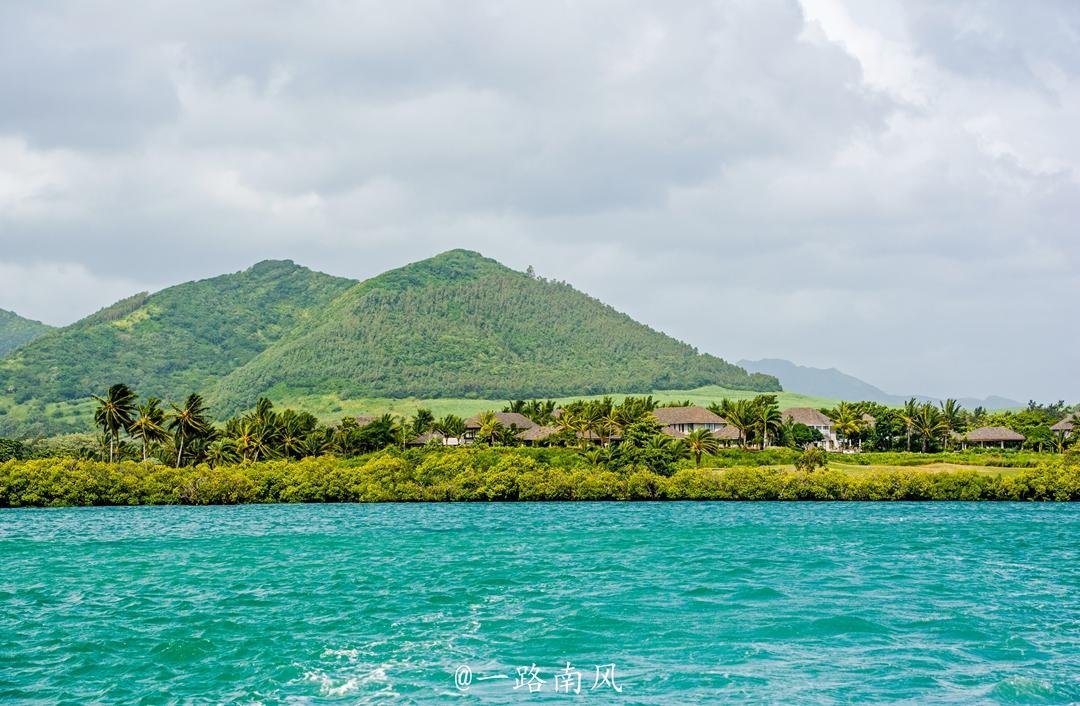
column 15, row 331
column 456, row 325
column 173, row 342
column 462, row 325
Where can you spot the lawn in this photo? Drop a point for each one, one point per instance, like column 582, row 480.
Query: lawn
column 856, row 469
column 332, row 408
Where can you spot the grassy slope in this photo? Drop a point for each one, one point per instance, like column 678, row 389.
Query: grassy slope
column 331, row 407
column 459, row 325
column 77, row 415
column 168, row 344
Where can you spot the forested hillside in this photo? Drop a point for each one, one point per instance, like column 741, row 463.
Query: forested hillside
column 167, row 344
column 461, row 325
column 455, row 325
column 15, row 331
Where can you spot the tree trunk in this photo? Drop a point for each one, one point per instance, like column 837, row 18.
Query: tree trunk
column 180, row 452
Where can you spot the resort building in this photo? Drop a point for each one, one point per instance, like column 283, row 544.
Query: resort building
column 815, row 420
column 992, row 436
column 1067, row 426
column 510, row 420
column 683, row 420
column 434, row 437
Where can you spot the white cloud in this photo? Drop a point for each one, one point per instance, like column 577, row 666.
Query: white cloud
column 884, row 188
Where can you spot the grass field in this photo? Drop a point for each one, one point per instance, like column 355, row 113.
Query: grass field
column 859, row 469
column 331, row 407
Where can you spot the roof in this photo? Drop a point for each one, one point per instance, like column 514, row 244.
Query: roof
column 686, row 415
column 728, row 433
column 538, row 433
column 808, row 416
column 507, row 419
column 993, row 434
column 427, row 438
column 365, row 419
column 1065, row 424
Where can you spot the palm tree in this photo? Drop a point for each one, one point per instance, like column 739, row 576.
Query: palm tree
column 114, row 413
column 911, row 408
column 952, row 419
column 404, row 432
column 847, row 421
column 451, row 427
column 244, row 441
column 293, row 436
column 928, row 423
column 221, row 452
column 422, row 421
column 149, row 426
column 766, row 416
column 188, row 422
column 596, row 457
column 701, row 441
column 740, row 415
column 490, row 427
column 576, row 423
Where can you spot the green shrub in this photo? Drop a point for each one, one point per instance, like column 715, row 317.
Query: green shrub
column 484, row 475
column 813, row 458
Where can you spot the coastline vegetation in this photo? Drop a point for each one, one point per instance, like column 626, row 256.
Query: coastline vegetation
column 152, row 452
column 478, row 474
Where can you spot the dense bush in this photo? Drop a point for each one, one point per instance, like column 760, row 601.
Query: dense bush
column 10, row 448
column 494, row 475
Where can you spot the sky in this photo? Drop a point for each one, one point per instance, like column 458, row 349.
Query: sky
column 890, row 188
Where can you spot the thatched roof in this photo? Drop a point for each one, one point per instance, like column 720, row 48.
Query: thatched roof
column 538, row 433
column 365, row 419
column 427, row 438
column 1066, row 424
column 994, row 434
column 686, row 415
column 507, row 419
column 728, row 433
column 806, row 415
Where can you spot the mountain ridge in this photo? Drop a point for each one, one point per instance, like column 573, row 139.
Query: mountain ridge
column 488, row 330
column 832, row 383
column 18, row 330
column 454, row 325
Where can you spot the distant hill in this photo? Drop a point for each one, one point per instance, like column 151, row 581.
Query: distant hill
column 455, row 325
column 831, row 383
column 15, row 331
column 462, row 325
column 179, row 340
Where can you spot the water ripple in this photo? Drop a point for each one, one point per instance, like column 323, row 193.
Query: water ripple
column 804, row 603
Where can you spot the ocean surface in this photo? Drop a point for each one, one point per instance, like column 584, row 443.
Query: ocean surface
column 786, row 603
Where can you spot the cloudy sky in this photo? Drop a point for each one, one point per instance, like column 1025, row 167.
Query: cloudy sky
column 891, row 188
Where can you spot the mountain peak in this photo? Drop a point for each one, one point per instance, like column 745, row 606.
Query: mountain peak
column 445, row 268
column 269, row 266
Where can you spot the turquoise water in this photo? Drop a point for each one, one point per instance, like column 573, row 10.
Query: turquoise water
column 788, row 603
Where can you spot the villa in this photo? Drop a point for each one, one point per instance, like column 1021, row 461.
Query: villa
column 683, row 420
column 1067, row 426
column 815, row 420
column 510, row 420
column 992, row 435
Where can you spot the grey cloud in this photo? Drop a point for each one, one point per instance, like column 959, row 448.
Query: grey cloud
column 669, row 159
